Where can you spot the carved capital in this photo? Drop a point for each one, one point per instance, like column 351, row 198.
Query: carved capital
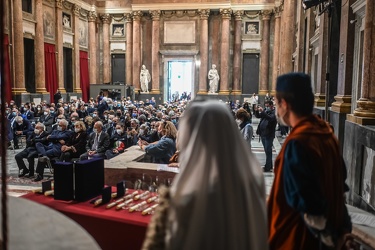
column 59, row 4
column 277, row 11
column 106, row 18
column 76, row 10
column 266, row 14
column 92, row 16
column 128, row 17
column 155, row 15
column 137, row 15
column 238, row 14
column 225, row 13
column 204, row 14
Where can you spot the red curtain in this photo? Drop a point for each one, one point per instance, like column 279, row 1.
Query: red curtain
column 85, row 79
column 51, row 72
column 7, row 76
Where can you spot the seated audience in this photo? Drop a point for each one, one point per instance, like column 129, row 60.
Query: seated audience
column 47, row 119
column 162, row 150
column 30, row 153
column 76, row 144
column 218, row 200
column 117, row 142
column 97, row 144
column 20, row 127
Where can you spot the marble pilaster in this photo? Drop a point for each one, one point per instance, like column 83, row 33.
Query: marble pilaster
column 92, row 47
column 137, row 15
column 365, row 112
column 106, row 20
column 18, row 49
column 288, row 20
column 237, row 52
column 155, row 15
column 129, row 49
column 276, row 51
column 59, row 47
column 203, row 49
column 40, row 80
column 224, row 48
column 76, row 61
column 343, row 98
column 264, row 54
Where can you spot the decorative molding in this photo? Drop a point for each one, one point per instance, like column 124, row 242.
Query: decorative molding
column 204, row 14
column 137, row 15
column 67, row 5
column 238, row 14
column 266, row 14
column 128, row 17
column 77, row 10
column 155, row 15
column 59, row 4
column 277, row 12
column 92, row 16
column 225, row 13
column 180, row 6
column 249, row 15
column 106, row 18
column 118, row 17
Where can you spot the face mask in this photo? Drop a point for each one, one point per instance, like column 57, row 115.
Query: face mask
column 36, row 131
column 59, row 128
column 85, row 108
column 118, row 105
column 93, row 115
column 280, row 119
column 119, row 131
column 141, row 131
column 128, row 136
column 26, row 109
column 105, row 117
column 110, row 105
column 73, row 123
column 45, row 113
column 95, row 130
column 118, row 114
column 77, row 130
column 52, row 112
column 110, row 121
column 38, row 109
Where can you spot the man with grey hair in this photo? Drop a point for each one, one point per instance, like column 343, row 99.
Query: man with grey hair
column 97, row 144
column 20, row 127
column 56, row 140
column 38, row 135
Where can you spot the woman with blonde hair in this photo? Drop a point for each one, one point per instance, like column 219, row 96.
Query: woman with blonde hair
column 77, row 143
column 164, row 149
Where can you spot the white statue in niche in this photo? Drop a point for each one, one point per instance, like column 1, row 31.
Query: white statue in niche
column 252, row 29
column 118, row 31
column 145, row 78
column 66, row 21
column 214, row 78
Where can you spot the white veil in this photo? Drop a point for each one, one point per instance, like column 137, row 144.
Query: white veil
column 218, row 198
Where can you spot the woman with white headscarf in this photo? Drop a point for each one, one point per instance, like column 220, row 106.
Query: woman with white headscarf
column 217, row 201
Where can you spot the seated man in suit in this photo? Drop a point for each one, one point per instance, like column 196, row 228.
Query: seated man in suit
column 28, row 113
column 56, row 140
column 117, row 142
column 97, row 144
column 30, row 153
column 48, row 120
column 20, row 127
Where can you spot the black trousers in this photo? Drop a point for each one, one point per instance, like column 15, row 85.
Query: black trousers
column 30, row 154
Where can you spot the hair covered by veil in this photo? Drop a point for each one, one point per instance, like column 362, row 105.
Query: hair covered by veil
column 218, row 198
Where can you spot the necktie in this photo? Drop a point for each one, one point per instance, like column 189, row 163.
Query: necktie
column 95, row 145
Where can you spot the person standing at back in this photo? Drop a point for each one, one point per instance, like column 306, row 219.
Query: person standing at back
column 306, row 206
column 266, row 131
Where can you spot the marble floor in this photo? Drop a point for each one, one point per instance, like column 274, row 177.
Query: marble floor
column 19, row 186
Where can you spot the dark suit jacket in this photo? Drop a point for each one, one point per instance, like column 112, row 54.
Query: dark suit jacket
column 25, row 127
column 34, row 138
column 103, row 142
column 48, row 121
column 29, row 115
column 78, row 141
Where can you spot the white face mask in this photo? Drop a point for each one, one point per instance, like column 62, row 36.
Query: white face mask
column 77, row 130
column 36, row 131
column 45, row 113
column 141, row 131
column 280, row 119
column 95, row 130
column 119, row 131
column 59, row 128
column 110, row 121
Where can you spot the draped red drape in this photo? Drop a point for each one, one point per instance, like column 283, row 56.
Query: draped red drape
column 7, row 76
column 84, row 70
column 51, row 72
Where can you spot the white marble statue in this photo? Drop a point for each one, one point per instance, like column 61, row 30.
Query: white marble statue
column 145, row 78
column 214, row 78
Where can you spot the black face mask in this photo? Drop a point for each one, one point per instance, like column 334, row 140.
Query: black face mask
column 118, row 114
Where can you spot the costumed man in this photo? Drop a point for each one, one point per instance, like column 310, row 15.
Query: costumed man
column 306, row 206
column 38, row 135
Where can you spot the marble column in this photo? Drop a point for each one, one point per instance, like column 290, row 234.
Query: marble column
column 288, row 20
column 276, row 51
column 322, row 62
column 59, row 47
column 365, row 111
column 106, row 20
column 92, row 47
column 129, row 49
column 155, row 15
column 203, row 50
column 76, row 62
column 18, row 50
column 224, row 49
column 137, row 15
column 264, row 54
column 237, row 52
column 40, row 80
column 343, row 98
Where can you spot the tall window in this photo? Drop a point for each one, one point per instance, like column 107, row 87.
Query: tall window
column 27, row 6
